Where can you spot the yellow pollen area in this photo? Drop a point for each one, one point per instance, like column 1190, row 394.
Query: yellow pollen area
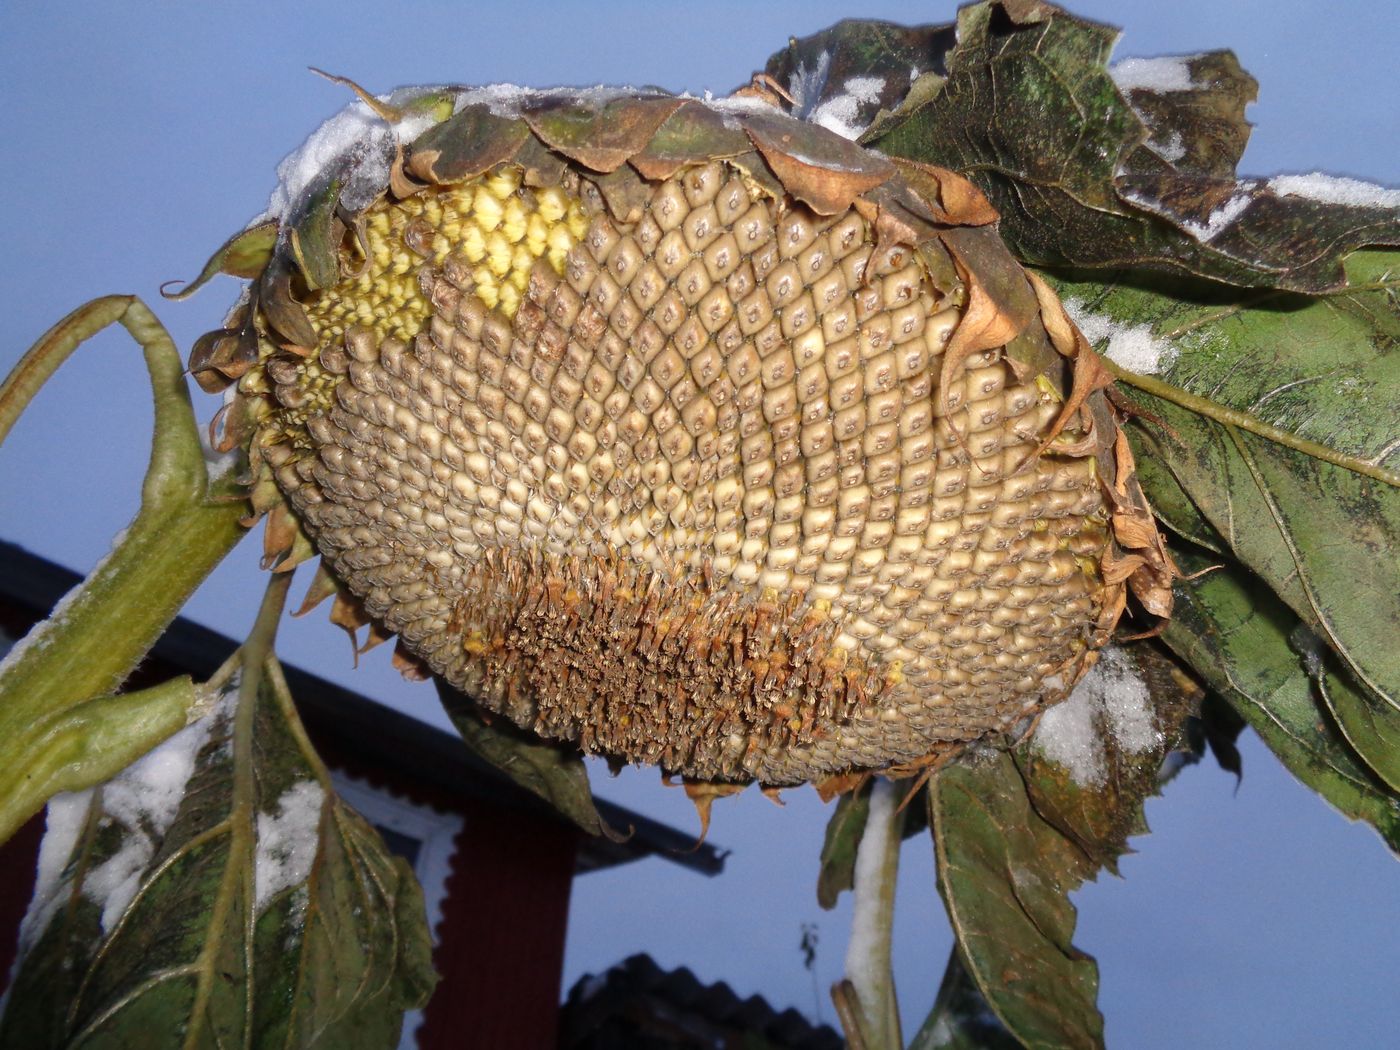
column 494, row 223
column 498, row 226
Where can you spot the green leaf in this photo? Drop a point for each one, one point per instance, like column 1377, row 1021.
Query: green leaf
column 1324, row 369
column 1017, row 832
column 1005, row 875
column 245, row 254
column 1084, row 171
column 843, row 834
column 217, row 893
column 1238, row 638
column 960, row 1018
column 546, row 769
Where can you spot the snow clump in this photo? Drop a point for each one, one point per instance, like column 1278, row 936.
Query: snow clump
column 1112, row 701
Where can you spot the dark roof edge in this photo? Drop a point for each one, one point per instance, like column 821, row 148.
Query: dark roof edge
column 437, row 757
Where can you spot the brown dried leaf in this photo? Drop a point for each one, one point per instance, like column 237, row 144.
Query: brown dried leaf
column 323, row 585
column 993, row 317
column 693, row 134
column 283, row 312
column 473, row 141
column 957, row 200
column 823, row 170
column 602, row 138
column 702, row 793
column 408, row 665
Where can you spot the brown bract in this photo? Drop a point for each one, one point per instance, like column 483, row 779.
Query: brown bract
column 687, row 433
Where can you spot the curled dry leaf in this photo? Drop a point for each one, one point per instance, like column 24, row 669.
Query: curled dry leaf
column 1093, row 165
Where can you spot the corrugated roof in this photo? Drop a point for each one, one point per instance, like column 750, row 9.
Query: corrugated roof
column 636, row 1005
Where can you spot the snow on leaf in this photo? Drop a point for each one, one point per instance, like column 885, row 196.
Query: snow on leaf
column 1330, row 189
column 287, row 841
column 1166, row 73
column 221, row 873
column 1125, row 167
column 1113, row 700
column 1134, row 347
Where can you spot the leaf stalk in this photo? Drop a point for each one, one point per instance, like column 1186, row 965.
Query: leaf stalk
column 1253, row 424
column 869, row 972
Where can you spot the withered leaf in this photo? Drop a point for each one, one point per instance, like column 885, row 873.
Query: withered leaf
column 843, row 835
column 1005, row 876
column 960, row 1018
column 473, row 141
column 692, row 134
column 599, row 137
column 553, row 773
column 1087, row 172
column 825, row 172
column 856, row 69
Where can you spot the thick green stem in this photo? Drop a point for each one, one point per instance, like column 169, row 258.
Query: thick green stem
column 101, row 631
column 86, row 744
column 868, row 968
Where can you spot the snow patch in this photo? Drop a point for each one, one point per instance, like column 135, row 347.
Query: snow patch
column 1332, row 189
column 143, row 799
column 1168, row 73
column 357, row 143
column 1218, row 219
column 287, row 841
column 1132, row 346
column 63, row 822
column 1111, row 701
column 510, row 100
column 841, row 113
column 733, row 106
column 737, row 103
column 807, row 84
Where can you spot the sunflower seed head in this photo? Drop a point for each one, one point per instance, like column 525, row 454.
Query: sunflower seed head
column 689, row 474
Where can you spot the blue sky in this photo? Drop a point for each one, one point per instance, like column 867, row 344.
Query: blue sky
column 137, row 137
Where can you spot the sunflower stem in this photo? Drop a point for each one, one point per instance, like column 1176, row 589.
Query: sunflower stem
column 102, row 629
column 869, row 973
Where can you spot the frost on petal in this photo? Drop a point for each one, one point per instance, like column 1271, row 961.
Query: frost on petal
column 288, row 841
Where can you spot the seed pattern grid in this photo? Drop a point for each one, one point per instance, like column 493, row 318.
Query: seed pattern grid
column 694, row 503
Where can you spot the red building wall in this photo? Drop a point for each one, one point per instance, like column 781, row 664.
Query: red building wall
column 507, row 911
